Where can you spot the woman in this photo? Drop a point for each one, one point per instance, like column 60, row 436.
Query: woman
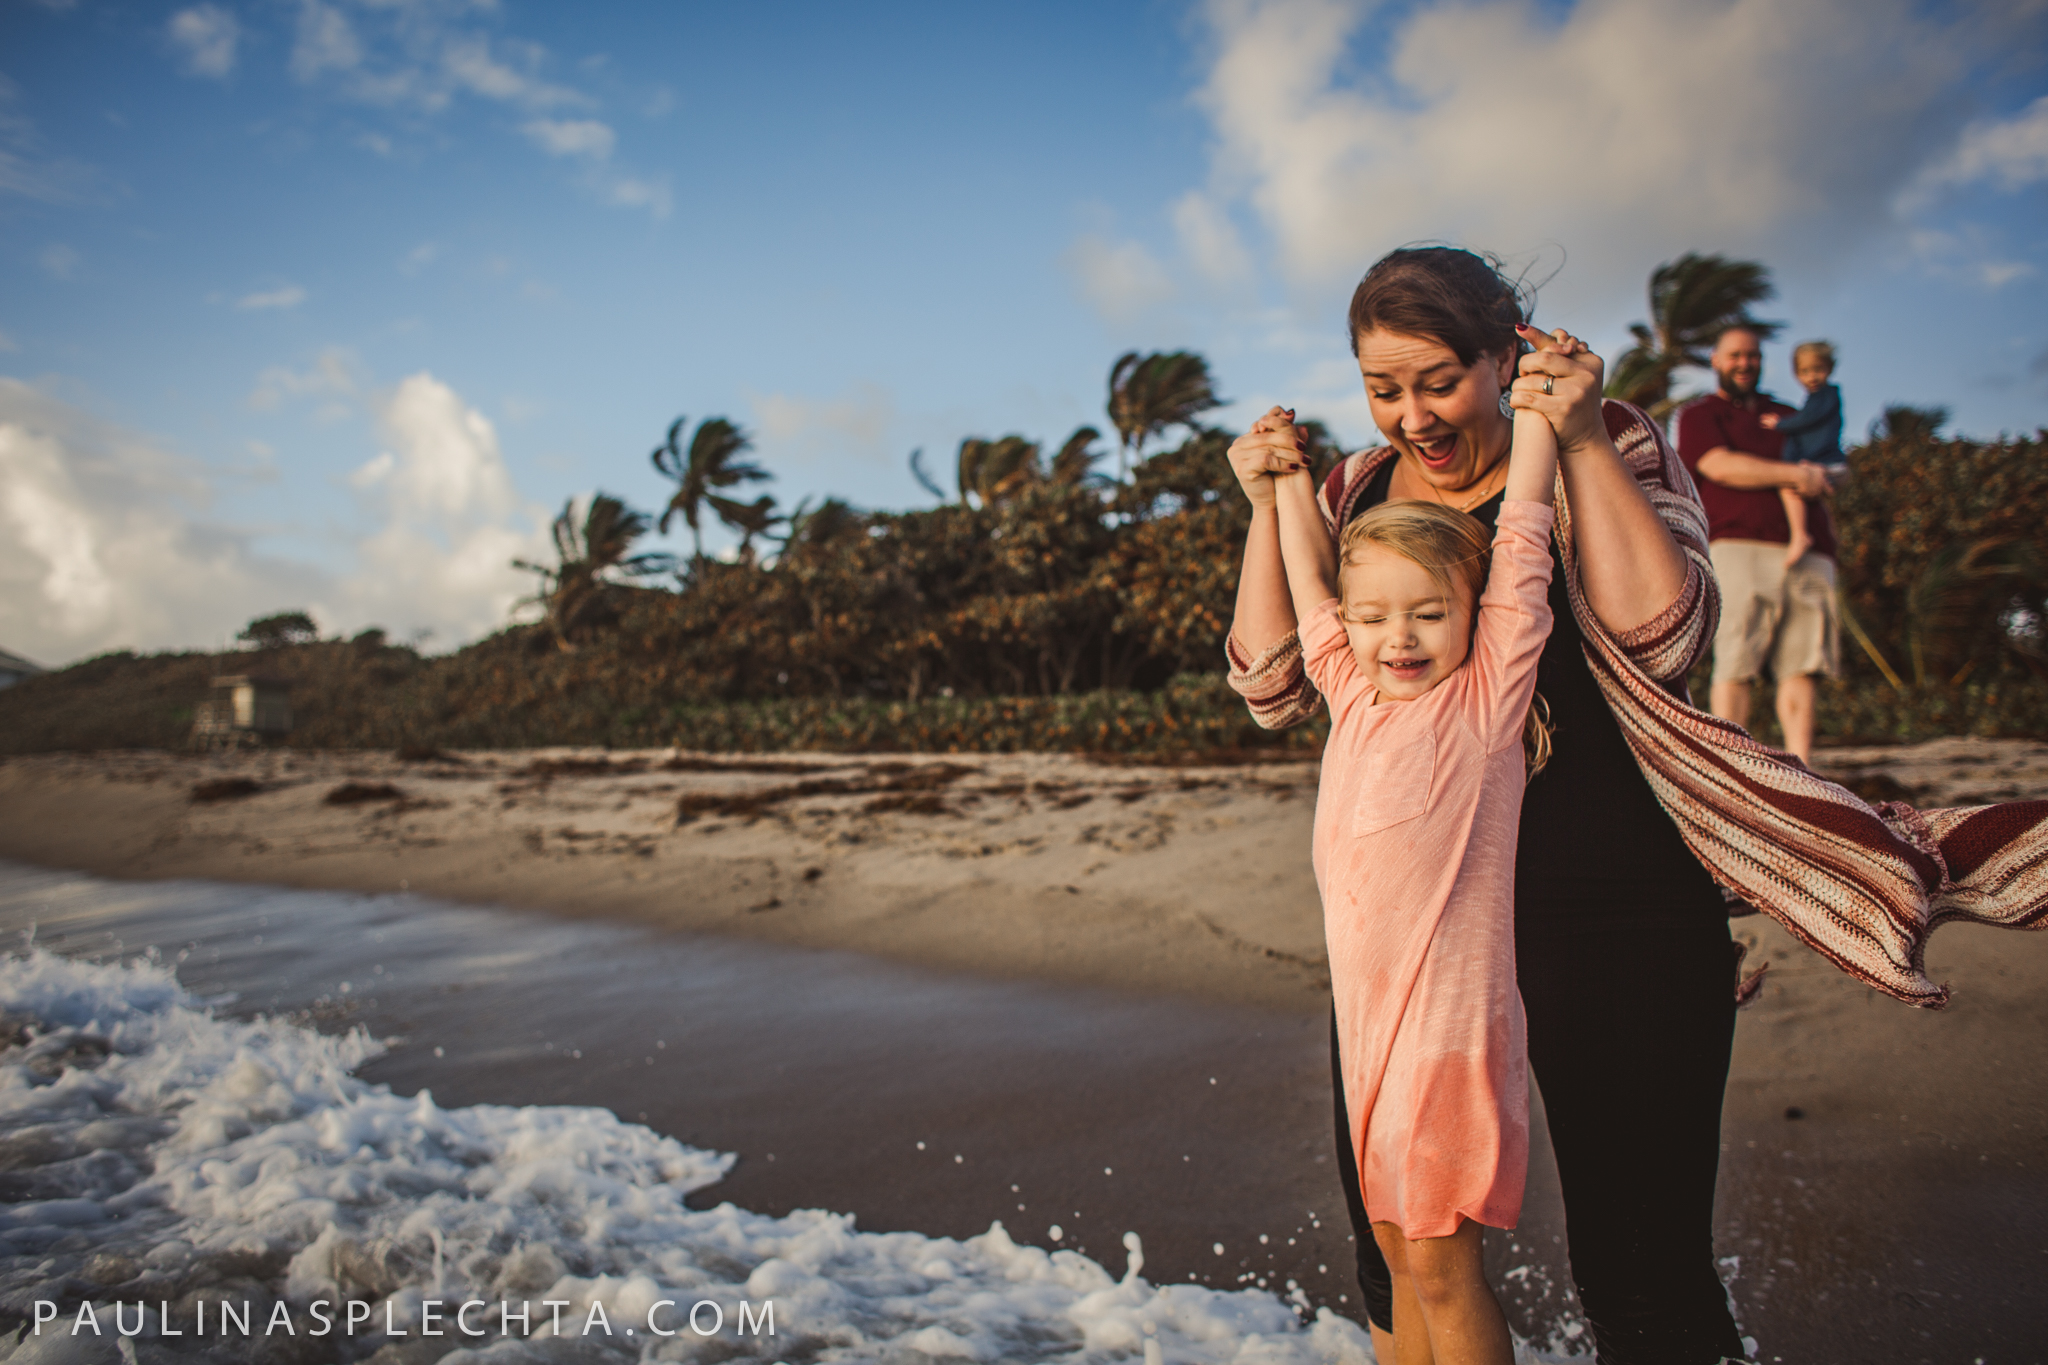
column 1623, row 954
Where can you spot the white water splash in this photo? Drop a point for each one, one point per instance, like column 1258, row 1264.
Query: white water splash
column 156, row 1154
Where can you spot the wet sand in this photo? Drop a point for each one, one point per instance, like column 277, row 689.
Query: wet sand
column 1902, row 1216
column 1042, row 867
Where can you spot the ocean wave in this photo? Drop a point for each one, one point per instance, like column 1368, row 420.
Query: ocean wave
column 158, row 1162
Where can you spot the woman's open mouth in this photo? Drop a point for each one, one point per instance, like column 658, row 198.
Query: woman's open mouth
column 1437, row 454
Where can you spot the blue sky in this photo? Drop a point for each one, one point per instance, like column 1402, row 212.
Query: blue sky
column 333, row 304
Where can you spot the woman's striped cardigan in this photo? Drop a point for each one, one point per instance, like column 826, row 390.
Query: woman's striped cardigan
column 1863, row 886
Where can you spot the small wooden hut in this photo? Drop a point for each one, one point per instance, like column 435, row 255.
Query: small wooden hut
column 243, row 707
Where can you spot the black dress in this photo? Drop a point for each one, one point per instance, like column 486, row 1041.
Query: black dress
column 1627, row 976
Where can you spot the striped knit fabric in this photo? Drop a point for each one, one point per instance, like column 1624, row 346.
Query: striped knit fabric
column 1863, row 886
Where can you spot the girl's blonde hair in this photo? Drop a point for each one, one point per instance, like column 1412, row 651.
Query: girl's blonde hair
column 1455, row 549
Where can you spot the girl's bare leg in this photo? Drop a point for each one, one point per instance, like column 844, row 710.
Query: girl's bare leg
column 1411, row 1334
column 1441, row 1284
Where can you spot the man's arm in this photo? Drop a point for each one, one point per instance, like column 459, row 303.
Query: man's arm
column 1734, row 469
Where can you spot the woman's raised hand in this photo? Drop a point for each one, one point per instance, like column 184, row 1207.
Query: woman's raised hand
column 1273, row 446
column 1573, row 375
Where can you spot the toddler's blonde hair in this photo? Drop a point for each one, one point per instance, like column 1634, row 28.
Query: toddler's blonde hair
column 1455, row 549
column 1824, row 351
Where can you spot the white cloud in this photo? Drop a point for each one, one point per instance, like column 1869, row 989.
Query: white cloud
column 108, row 545
column 447, row 463
column 395, row 53
column 60, row 260
column 286, row 296
column 1969, row 253
column 409, row 54
column 593, row 141
column 1628, row 130
column 1210, row 240
column 469, row 63
column 206, row 35
column 2009, row 153
column 572, row 137
column 326, row 42
column 628, row 192
column 26, row 170
column 453, row 522
column 106, row 540
column 332, row 376
column 1121, row 280
column 860, row 415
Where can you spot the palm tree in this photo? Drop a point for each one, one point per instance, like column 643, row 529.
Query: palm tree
column 1692, row 301
column 818, row 528
column 993, row 472
column 1074, row 465
column 1903, row 422
column 1149, row 393
column 571, row 590
column 711, row 463
column 750, row 519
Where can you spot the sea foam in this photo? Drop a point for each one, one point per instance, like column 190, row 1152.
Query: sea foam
column 162, row 1158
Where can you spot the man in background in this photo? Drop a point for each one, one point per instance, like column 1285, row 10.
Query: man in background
column 1771, row 611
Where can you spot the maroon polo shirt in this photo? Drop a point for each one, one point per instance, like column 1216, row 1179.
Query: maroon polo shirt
column 1712, row 421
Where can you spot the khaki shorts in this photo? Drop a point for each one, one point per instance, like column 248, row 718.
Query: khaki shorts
column 1769, row 612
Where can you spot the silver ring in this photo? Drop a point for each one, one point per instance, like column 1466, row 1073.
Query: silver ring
column 1546, row 385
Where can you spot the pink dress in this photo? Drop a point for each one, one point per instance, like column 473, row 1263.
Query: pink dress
column 1415, row 856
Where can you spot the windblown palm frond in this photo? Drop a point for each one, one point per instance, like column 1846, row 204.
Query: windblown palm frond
column 993, row 472
column 818, row 529
column 750, row 519
column 1903, row 422
column 571, row 589
column 1692, row 300
column 712, row 462
column 1149, row 393
column 923, row 476
column 1074, row 465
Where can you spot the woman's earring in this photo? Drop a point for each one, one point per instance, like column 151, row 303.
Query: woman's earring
column 1507, row 409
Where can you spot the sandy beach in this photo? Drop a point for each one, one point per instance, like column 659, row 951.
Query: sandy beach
column 1193, row 880
column 1885, row 1190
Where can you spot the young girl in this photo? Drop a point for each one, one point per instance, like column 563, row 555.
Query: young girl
column 1430, row 683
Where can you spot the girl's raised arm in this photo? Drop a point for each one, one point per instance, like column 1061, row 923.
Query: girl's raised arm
column 1532, row 462
column 1305, row 546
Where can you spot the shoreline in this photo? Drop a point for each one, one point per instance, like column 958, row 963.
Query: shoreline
column 1188, row 881
column 1183, row 881
column 1184, row 907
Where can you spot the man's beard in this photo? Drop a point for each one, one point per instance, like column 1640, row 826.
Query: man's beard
column 1734, row 389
